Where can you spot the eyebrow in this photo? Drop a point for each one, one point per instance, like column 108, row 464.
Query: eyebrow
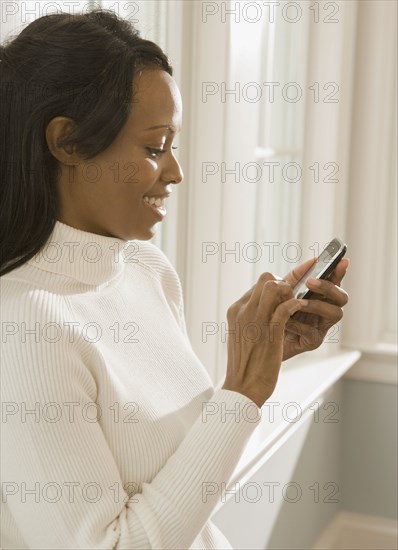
column 171, row 128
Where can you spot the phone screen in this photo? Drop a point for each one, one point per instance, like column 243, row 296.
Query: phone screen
column 324, row 260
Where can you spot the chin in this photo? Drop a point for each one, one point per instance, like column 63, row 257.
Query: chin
column 143, row 234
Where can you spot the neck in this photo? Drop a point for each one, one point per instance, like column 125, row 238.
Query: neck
column 87, row 257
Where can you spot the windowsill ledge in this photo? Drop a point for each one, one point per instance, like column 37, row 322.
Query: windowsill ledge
column 377, row 364
column 301, row 385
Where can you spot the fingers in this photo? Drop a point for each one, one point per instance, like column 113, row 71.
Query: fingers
column 298, row 272
column 329, row 291
column 252, row 297
column 331, row 313
column 304, row 318
column 306, row 330
column 249, row 293
column 273, row 293
column 295, row 327
column 285, row 310
column 339, row 271
column 330, row 288
column 311, row 335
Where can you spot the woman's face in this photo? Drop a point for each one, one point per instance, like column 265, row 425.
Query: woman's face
column 106, row 194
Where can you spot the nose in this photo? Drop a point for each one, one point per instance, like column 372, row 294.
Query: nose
column 172, row 173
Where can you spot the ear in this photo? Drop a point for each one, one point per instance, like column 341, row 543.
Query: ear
column 58, row 128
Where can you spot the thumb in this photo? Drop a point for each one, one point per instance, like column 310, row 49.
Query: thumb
column 298, row 272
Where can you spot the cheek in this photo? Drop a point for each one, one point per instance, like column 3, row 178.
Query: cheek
column 146, row 173
column 133, row 170
column 150, row 168
column 143, row 173
column 134, row 178
column 152, row 164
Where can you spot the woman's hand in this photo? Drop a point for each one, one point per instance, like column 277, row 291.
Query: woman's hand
column 256, row 336
column 306, row 331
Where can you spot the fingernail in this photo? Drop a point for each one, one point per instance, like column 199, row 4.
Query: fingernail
column 314, row 282
column 304, row 302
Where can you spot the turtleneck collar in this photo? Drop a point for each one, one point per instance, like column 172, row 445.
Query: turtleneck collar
column 86, row 257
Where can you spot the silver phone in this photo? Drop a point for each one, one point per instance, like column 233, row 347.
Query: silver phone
column 322, row 268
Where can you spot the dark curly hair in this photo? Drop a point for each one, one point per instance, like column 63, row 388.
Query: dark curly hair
column 80, row 66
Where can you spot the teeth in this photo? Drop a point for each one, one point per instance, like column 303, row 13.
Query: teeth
column 153, row 200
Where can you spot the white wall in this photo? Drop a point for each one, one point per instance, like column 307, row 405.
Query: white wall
column 359, row 452
column 307, row 491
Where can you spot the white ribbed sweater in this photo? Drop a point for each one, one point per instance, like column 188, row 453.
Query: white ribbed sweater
column 120, row 446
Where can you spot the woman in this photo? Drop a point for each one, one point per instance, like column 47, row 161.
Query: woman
column 111, row 426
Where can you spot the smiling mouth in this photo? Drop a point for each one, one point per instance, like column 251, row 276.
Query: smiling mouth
column 156, row 204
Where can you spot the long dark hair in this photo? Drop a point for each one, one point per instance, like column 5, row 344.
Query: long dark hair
column 80, row 66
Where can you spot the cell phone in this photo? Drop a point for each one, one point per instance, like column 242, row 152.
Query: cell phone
column 322, row 268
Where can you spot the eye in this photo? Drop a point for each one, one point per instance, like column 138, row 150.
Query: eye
column 155, row 152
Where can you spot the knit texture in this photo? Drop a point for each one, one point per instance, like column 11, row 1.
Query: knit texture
column 112, row 433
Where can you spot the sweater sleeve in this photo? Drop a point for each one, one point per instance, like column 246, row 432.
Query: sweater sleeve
column 59, row 477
